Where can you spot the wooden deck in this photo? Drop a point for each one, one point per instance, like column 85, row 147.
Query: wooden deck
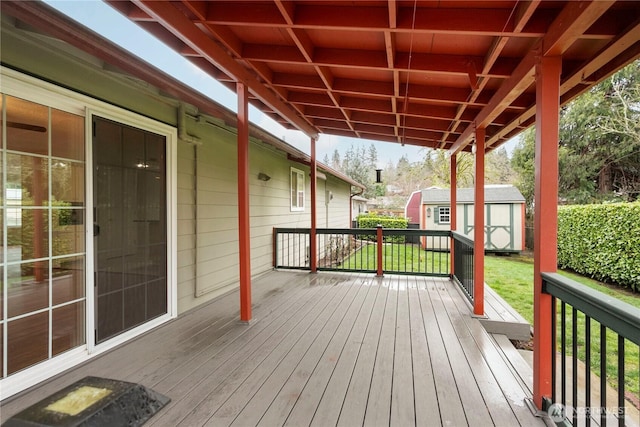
column 503, row 319
column 325, row 349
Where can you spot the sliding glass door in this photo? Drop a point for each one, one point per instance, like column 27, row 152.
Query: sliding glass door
column 130, row 226
column 42, row 233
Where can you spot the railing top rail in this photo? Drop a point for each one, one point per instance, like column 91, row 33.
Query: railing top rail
column 385, row 231
column 462, row 238
column 619, row 316
column 346, row 231
column 414, row 232
column 292, row 230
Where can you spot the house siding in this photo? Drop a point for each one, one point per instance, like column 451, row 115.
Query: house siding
column 207, row 202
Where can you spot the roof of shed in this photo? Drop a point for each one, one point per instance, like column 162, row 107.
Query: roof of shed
column 492, row 194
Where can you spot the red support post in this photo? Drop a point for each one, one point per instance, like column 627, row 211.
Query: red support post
column 379, row 249
column 478, row 226
column 453, row 207
column 244, row 236
column 313, row 260
column 545, row 219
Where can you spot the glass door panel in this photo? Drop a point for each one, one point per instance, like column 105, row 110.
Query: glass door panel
column 130, row 230
column 42, row 250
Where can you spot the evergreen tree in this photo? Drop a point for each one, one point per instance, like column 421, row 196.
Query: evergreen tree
column 522, row 162
column 599, row 147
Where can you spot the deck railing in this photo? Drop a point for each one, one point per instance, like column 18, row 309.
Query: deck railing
column 595, row 334
column 401, row 251
column 463, row 263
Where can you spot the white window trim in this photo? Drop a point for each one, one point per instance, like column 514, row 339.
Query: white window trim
column 22, row 86
column 440, row 215
column 301, row 176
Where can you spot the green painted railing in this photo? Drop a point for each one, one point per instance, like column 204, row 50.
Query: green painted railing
column 463, row 264
column 404, row 251
column 594, row 332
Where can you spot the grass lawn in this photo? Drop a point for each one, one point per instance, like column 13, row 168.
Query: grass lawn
column 512, row 279
column 401, row 257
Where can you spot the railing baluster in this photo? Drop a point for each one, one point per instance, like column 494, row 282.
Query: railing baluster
column 412, row 246
column 563, row 351
column 613, row 316
column 621, row 387
column 351, row 250
column 574, row 366
column 433, row 258
column 587, row 370
column 554, row 337
column 603, row 375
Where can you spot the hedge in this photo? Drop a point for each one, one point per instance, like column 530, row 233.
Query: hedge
column 601, row 241
column 372, row 221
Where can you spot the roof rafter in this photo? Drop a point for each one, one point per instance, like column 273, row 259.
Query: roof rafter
column 574, row 19
column 385, row 67
column 523, row 12
column 185, row 30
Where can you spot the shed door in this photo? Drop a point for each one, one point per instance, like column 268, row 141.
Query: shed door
column 130, row 227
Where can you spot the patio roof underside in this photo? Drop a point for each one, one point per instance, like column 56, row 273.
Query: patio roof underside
column 424, row 73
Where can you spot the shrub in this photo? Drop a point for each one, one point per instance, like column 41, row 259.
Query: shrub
column 601, row 241
column 372, row 221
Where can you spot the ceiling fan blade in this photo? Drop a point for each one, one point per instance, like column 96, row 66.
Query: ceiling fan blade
column 26, row 126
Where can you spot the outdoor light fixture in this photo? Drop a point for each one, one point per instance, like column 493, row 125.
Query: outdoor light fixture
column 263, row 177
column 378, row 176
column 428, row 212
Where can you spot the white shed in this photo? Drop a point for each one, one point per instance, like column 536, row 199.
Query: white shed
column 504, row 215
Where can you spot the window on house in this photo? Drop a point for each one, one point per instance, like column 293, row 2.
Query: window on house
column 443, row 215
column 297, row 190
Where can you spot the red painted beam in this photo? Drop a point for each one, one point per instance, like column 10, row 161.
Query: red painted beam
column 298, row 81
column 376, row 60
column 478, row 225
column 379, row 251
column 244, row 235
column 573, row 20
column 327, row 113
column 243, row 13
column 545, row 245
column 453, row 205
column 184, row 29
column 312, row 235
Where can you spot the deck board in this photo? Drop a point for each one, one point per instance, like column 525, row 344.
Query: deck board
column 355, row 401
column 402, row 396
column 331, row 404
column 449, row 399
column 379, row 401
column 494, row 399
column 472, row 399
column 325, row 349
column 425, row 394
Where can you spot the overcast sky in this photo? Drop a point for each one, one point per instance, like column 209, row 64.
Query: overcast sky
column 107, row 22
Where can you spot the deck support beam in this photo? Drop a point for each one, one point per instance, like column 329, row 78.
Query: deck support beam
column 244, row 236
column 478, row 225
column 453, row 205
column 313, row 261
column 546, row 218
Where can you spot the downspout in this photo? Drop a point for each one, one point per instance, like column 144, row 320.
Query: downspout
column 351, row 206
column 195, row 141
